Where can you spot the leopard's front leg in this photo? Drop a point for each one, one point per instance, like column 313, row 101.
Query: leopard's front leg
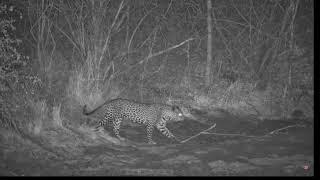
column 161, row 126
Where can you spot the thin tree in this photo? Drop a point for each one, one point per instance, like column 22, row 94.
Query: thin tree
column 209, row 45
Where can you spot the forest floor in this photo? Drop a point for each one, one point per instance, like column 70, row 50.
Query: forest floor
column 236, row 147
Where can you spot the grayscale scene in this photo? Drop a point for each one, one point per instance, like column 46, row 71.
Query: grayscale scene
column 157, row 88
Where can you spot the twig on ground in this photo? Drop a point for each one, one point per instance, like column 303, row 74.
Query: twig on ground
column 287, row 127
column 202, row 132
column 241, row 135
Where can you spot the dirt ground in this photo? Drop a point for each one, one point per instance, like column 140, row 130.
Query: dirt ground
column 234, row 147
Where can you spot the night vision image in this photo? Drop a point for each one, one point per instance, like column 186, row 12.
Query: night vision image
column 157, row 88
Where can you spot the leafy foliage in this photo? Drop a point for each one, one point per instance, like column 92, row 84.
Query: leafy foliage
column 11, row 60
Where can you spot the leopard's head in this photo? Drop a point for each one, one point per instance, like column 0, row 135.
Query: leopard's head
column 173, row 114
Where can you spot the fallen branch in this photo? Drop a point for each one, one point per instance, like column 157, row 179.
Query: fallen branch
column 202, row 132
column 241, row 135
column 287, row 127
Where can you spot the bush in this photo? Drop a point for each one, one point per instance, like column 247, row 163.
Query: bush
column 11, row 60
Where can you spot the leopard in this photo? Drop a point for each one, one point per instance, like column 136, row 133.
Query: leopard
column 152, row 115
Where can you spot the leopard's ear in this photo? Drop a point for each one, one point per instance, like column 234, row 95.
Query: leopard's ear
column 175, row 108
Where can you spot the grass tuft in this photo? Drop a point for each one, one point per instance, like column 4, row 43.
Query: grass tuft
column 40, row 111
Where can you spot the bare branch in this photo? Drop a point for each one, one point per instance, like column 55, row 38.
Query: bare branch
column 153, row 55
column 213, row 126
column 247, row 26
column 68, row 37
column 168, row 8
column 138, row 25
column 244, row 18
column 220, row 33
column 274, row 48
column 287, row 127
column 110, row 30
column 241, row 135
column 166, row 50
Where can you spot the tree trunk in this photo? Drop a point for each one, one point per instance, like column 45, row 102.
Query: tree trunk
column 209, row 45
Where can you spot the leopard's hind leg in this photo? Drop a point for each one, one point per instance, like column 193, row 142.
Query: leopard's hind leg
column 149, row 134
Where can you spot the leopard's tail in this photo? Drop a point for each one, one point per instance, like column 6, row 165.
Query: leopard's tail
column 86, row 112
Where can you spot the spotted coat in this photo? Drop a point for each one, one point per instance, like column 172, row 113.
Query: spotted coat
column 116, row 111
